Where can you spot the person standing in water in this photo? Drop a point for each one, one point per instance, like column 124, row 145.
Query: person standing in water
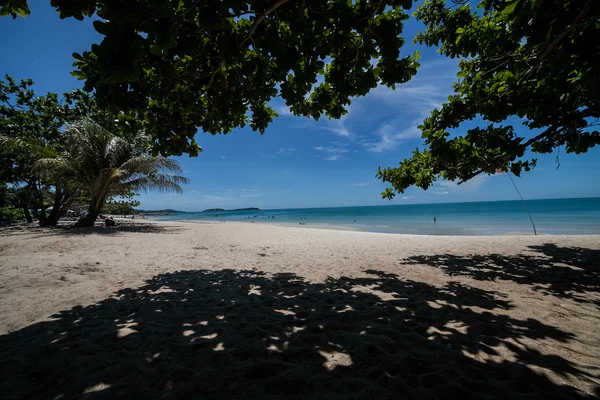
column 434, row 220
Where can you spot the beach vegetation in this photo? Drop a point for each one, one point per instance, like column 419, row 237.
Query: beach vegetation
column 105, row 165
column 528, row 63
column 32, row 127
column 10, row 214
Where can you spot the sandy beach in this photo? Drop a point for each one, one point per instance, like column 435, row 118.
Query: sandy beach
column 235, row 310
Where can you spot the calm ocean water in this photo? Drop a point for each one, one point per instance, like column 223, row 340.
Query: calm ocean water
column 554, row 216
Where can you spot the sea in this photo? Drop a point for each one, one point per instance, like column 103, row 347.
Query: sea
column 550, row 216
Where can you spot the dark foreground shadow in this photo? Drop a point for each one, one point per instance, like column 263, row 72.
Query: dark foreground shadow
column 241, row 335
column 67, row 229
column 567, row 272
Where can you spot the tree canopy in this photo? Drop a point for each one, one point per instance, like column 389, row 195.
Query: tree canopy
column 532, row 60
column 106, row 165
column 33, row 127
column 215, row 65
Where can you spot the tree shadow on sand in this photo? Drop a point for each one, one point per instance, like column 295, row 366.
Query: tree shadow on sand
column 567, row 272
column 69, row 230
column 244, row 335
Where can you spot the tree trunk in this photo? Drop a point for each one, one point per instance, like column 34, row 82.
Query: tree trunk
column 62, row 200
column 25, row 200
column 89, row 219
column 54, row 216
column 27, row 214
column 93, row 212
column 38, row 201
column 42, row 215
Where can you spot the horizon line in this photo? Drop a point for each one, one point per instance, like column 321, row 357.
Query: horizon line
column 388, row 205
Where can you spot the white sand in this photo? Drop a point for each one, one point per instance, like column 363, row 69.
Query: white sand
column 507, row 316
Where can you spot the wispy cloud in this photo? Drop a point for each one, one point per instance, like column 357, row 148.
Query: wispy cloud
column 335, row 151
column 286, row 151
column 444, row 193
column 215, row 198
column 413, row 101
column 408, row 197
column 392, row 134
column 245, row 192
column 471, row 186
column 193, row 201
column 337, row 127
column 331, row 149
column 283, row 111
column 361, row 184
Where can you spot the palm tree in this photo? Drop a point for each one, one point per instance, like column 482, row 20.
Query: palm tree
column 104, row 165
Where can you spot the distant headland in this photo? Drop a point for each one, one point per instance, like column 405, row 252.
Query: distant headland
column 151, row 212
column 235, row 209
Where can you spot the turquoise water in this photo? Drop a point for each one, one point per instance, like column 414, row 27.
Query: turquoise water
column 554, row 216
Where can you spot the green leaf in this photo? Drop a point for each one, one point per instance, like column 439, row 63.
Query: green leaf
column 510, row 8
column 156, row 50
column 101, row 27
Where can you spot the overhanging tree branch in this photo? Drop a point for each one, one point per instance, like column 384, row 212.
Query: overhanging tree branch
column 566, row 32
column 261, row 18
column 257, row 22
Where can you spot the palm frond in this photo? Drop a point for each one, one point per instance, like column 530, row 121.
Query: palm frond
column 51, row 165
column 160, row 182
column 35, row 147
column 103, row 163
column 148, row 164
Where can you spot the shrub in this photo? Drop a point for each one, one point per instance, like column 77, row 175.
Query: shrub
column 10, row 214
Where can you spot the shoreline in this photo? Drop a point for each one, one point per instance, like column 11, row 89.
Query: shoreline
column 347, row 228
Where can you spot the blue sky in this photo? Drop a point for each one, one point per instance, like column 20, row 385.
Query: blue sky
column 299, row 162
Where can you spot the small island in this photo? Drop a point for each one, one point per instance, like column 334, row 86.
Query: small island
column 158, row 212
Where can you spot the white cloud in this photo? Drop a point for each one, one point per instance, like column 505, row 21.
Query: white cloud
column 339, row 126
column 414, row 101
column 389, row 136
column 471, row 186
column 245, row 192
column 284, row 111
column 192, row 201
column 335, row 153
column 286, row 151
column 250, row 193
column 336, row 126
column 331, row 149
column 215, row 198
column 360, row 184
column 444, row 193
column 408, row 197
